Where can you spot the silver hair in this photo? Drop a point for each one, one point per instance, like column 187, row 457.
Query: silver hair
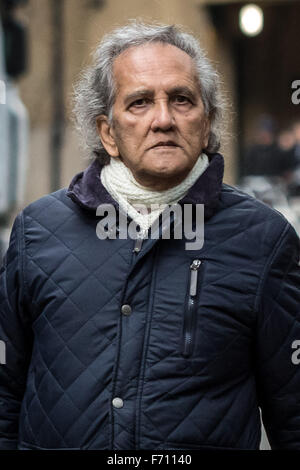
column 94, row 93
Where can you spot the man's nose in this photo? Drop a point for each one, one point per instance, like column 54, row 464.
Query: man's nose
column 162, row 116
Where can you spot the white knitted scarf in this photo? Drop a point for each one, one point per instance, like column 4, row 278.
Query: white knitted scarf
column 123, row 187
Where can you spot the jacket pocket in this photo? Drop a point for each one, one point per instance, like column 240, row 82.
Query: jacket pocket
column 188, row 330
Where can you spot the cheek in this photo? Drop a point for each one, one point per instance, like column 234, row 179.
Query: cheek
column 202, row 126
column 194, row 132
column 194, row 128
column 129, row 128
column 127, row 138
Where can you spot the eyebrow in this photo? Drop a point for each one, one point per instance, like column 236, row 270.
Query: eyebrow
column 138, row 94
column 182, row 90
column 178, row 90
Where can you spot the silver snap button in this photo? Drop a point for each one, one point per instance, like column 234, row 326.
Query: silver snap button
column 118, row 402
column 126, row 309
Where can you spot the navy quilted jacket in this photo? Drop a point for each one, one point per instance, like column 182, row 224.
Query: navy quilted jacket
column 158, row 348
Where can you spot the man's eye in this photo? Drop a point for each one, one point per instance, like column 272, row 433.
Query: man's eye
column 180, row 99
column 139, row 103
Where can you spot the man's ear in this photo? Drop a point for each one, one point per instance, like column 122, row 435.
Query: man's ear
column 106, row 135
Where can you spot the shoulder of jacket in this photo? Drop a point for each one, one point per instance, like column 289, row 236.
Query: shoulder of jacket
column 42, row 205
column 234, row 198
column 48, row 212
column 262, row 221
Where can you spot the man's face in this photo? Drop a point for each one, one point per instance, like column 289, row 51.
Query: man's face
column 159, row 127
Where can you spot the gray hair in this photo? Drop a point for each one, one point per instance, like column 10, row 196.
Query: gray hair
column 94, row 93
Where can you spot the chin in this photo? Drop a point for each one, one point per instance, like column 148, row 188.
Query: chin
column 168, row 166
column 166, row 171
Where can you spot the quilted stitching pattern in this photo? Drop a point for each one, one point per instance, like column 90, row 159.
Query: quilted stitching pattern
column 71, row 350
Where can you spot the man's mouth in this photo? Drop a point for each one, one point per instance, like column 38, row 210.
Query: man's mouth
column 167, row 143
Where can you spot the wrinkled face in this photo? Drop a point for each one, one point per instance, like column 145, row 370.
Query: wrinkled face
column 159, row 127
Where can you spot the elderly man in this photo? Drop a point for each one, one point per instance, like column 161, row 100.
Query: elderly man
column 123, row 343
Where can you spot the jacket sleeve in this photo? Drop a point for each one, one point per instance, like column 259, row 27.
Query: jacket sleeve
column 15, row 336
column 278, row 333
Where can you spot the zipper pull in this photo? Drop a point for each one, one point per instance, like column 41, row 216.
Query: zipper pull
column 138, row 245
column 194, row 276
column 139, row 242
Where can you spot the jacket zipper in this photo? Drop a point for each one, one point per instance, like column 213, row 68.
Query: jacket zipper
column 139, row 242
column 138, row 245
column 189, row 313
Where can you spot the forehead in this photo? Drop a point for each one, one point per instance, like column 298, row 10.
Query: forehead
column 153, row 64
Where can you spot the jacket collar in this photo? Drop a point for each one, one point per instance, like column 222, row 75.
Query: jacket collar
column 87, row 190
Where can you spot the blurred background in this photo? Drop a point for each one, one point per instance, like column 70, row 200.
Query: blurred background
column 44, row 44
